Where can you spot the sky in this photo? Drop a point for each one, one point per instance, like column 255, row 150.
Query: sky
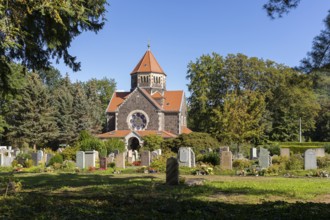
column 180, row 31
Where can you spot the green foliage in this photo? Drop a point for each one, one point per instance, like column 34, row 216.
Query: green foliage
column 91, row 144
column 57, row 158
column 68, row 166
column 69, row 153
column 210, row 158
column 327, row 148
column 323, row 162
column 241, row 164
column 196, row 140
column 295, row 162
column 274, row 149
column 114, row 144
column 152, row 142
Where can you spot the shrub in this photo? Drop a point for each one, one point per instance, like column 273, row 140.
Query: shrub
column 69, row 165
column 22, row 157
column 241, row 164
column 57, row 158
column 212, row 158
column 69, row 153
column 114, row 144
column 323, row 162
column 92, row 144
column 152, row 142
column 28, row 163
column 327, row 148
column 112, row 165
column 295, row 162
column 14, row 163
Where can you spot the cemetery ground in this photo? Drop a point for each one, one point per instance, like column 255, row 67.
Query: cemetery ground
column 104, row 195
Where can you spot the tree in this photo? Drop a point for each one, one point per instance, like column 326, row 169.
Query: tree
column 276, row 8
column 33, row 32
column 31, row 118
column 152, row 142
column 241, row 119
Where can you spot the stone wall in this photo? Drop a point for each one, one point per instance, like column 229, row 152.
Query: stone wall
column 172, row 122
column 137, row 101
column 111, row 121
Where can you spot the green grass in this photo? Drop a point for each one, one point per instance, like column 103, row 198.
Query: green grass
column 143, row 196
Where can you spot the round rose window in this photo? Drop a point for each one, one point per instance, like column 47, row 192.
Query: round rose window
column 138, row 121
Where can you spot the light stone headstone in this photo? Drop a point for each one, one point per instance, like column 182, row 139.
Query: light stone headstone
column 1, row 159
column 159, row 151
column 172, row 171
column 320, row 152
column 285, row 152
column 120, row 160
column 90, row 158
column 253, row 153
column 226, row 161
column 264, row 158
column 186, row 157
column 111, row 157
column 154, row 155
column 17, row 151
column 7, row 161
column 96, row 155
column 310, row 159
column 80, row 159
column 145, row 158
column 40, row 156
column 129, row 153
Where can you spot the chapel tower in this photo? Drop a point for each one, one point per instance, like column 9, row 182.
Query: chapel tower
column 149, row 75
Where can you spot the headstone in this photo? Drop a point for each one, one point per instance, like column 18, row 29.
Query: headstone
column 154, row 155
column 264, row 158
column 159, row 151
column 186, row 157
column 285, row 152
column 90, row 158
column 310, row 159
column 1, row 159
column 48, row 157
column 17, row 151
column 34, row 157
column 96, row 155
column 116, row 152
column 172, row 171
column 120, row 160
column 145, row 158
column 111, row 157
column 253, row 153
column 226, row 161
column 80, row 160
column 320, row 152
column 7, row 161
column 103, row 163
column 129, row 153
column 40, row 156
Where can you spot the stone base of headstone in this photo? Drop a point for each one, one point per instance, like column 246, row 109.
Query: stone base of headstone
column 172, row 171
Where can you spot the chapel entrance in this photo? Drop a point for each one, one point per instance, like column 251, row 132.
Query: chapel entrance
column 133, row 144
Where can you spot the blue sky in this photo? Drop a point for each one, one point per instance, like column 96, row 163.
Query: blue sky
column 181, row 31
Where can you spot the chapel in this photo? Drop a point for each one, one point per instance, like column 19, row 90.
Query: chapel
column 148, row 108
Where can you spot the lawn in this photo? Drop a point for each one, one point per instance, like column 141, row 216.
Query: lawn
column 134, row 196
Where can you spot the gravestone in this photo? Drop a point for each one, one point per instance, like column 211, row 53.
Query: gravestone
column 253, row 153
column 34, row 157
column 111, row 157
column 103, row 163
column 145, row 158
column 80, row 159
column 96, row 155
column 90, row 158
column 285, row 152
column 186, row 157
column 310, row 159
column 48, row 157
column 320, row 152
column 130, row 156
column 264, row 158
column 1, row 159
column 17, row 151
column 172, row 171
column 223, row 149
column 120, row 160
column 159, row 151
column 226, row 161
column 116, row 152
column 40, row 156
column 154, row 155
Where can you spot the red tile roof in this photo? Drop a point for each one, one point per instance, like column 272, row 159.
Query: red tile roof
column 157, row 95
column 148, row 64
column 172, row 100
column 116, row 100
column 124, row 133
column 185, row 130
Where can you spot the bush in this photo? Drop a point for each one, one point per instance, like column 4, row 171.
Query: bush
column 323, row 162
column 327, row 148
column 274, row 149
column 14, row 163
column 92, row 144
column 22, row 157
column 152, row 142
column 112, row 165
column 57, row 158
column 28, row 163
column 114, row 144
column 211, row 158
column 69, row 165
column 295, row 162
column 69, row 153
column 241, row 164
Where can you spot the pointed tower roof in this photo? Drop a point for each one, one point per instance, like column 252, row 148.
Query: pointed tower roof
column 148, row 64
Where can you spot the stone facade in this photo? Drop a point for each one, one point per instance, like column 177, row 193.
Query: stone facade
column 172, row 122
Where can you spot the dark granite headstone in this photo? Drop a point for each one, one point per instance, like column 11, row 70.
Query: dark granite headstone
column 172, row 171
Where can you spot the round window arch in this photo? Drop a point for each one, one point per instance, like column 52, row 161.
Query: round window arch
column 137, row 120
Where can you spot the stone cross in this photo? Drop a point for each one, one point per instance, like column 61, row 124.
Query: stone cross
column 172, row 171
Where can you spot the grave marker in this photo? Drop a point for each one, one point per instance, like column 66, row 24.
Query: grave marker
column 264, row 158
column 145, row 158
column 120, row 160
column 285, row 152
column 226, row 161
column 172, row 171
column 80, row 159
column 310, row 159
column 90, row 158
